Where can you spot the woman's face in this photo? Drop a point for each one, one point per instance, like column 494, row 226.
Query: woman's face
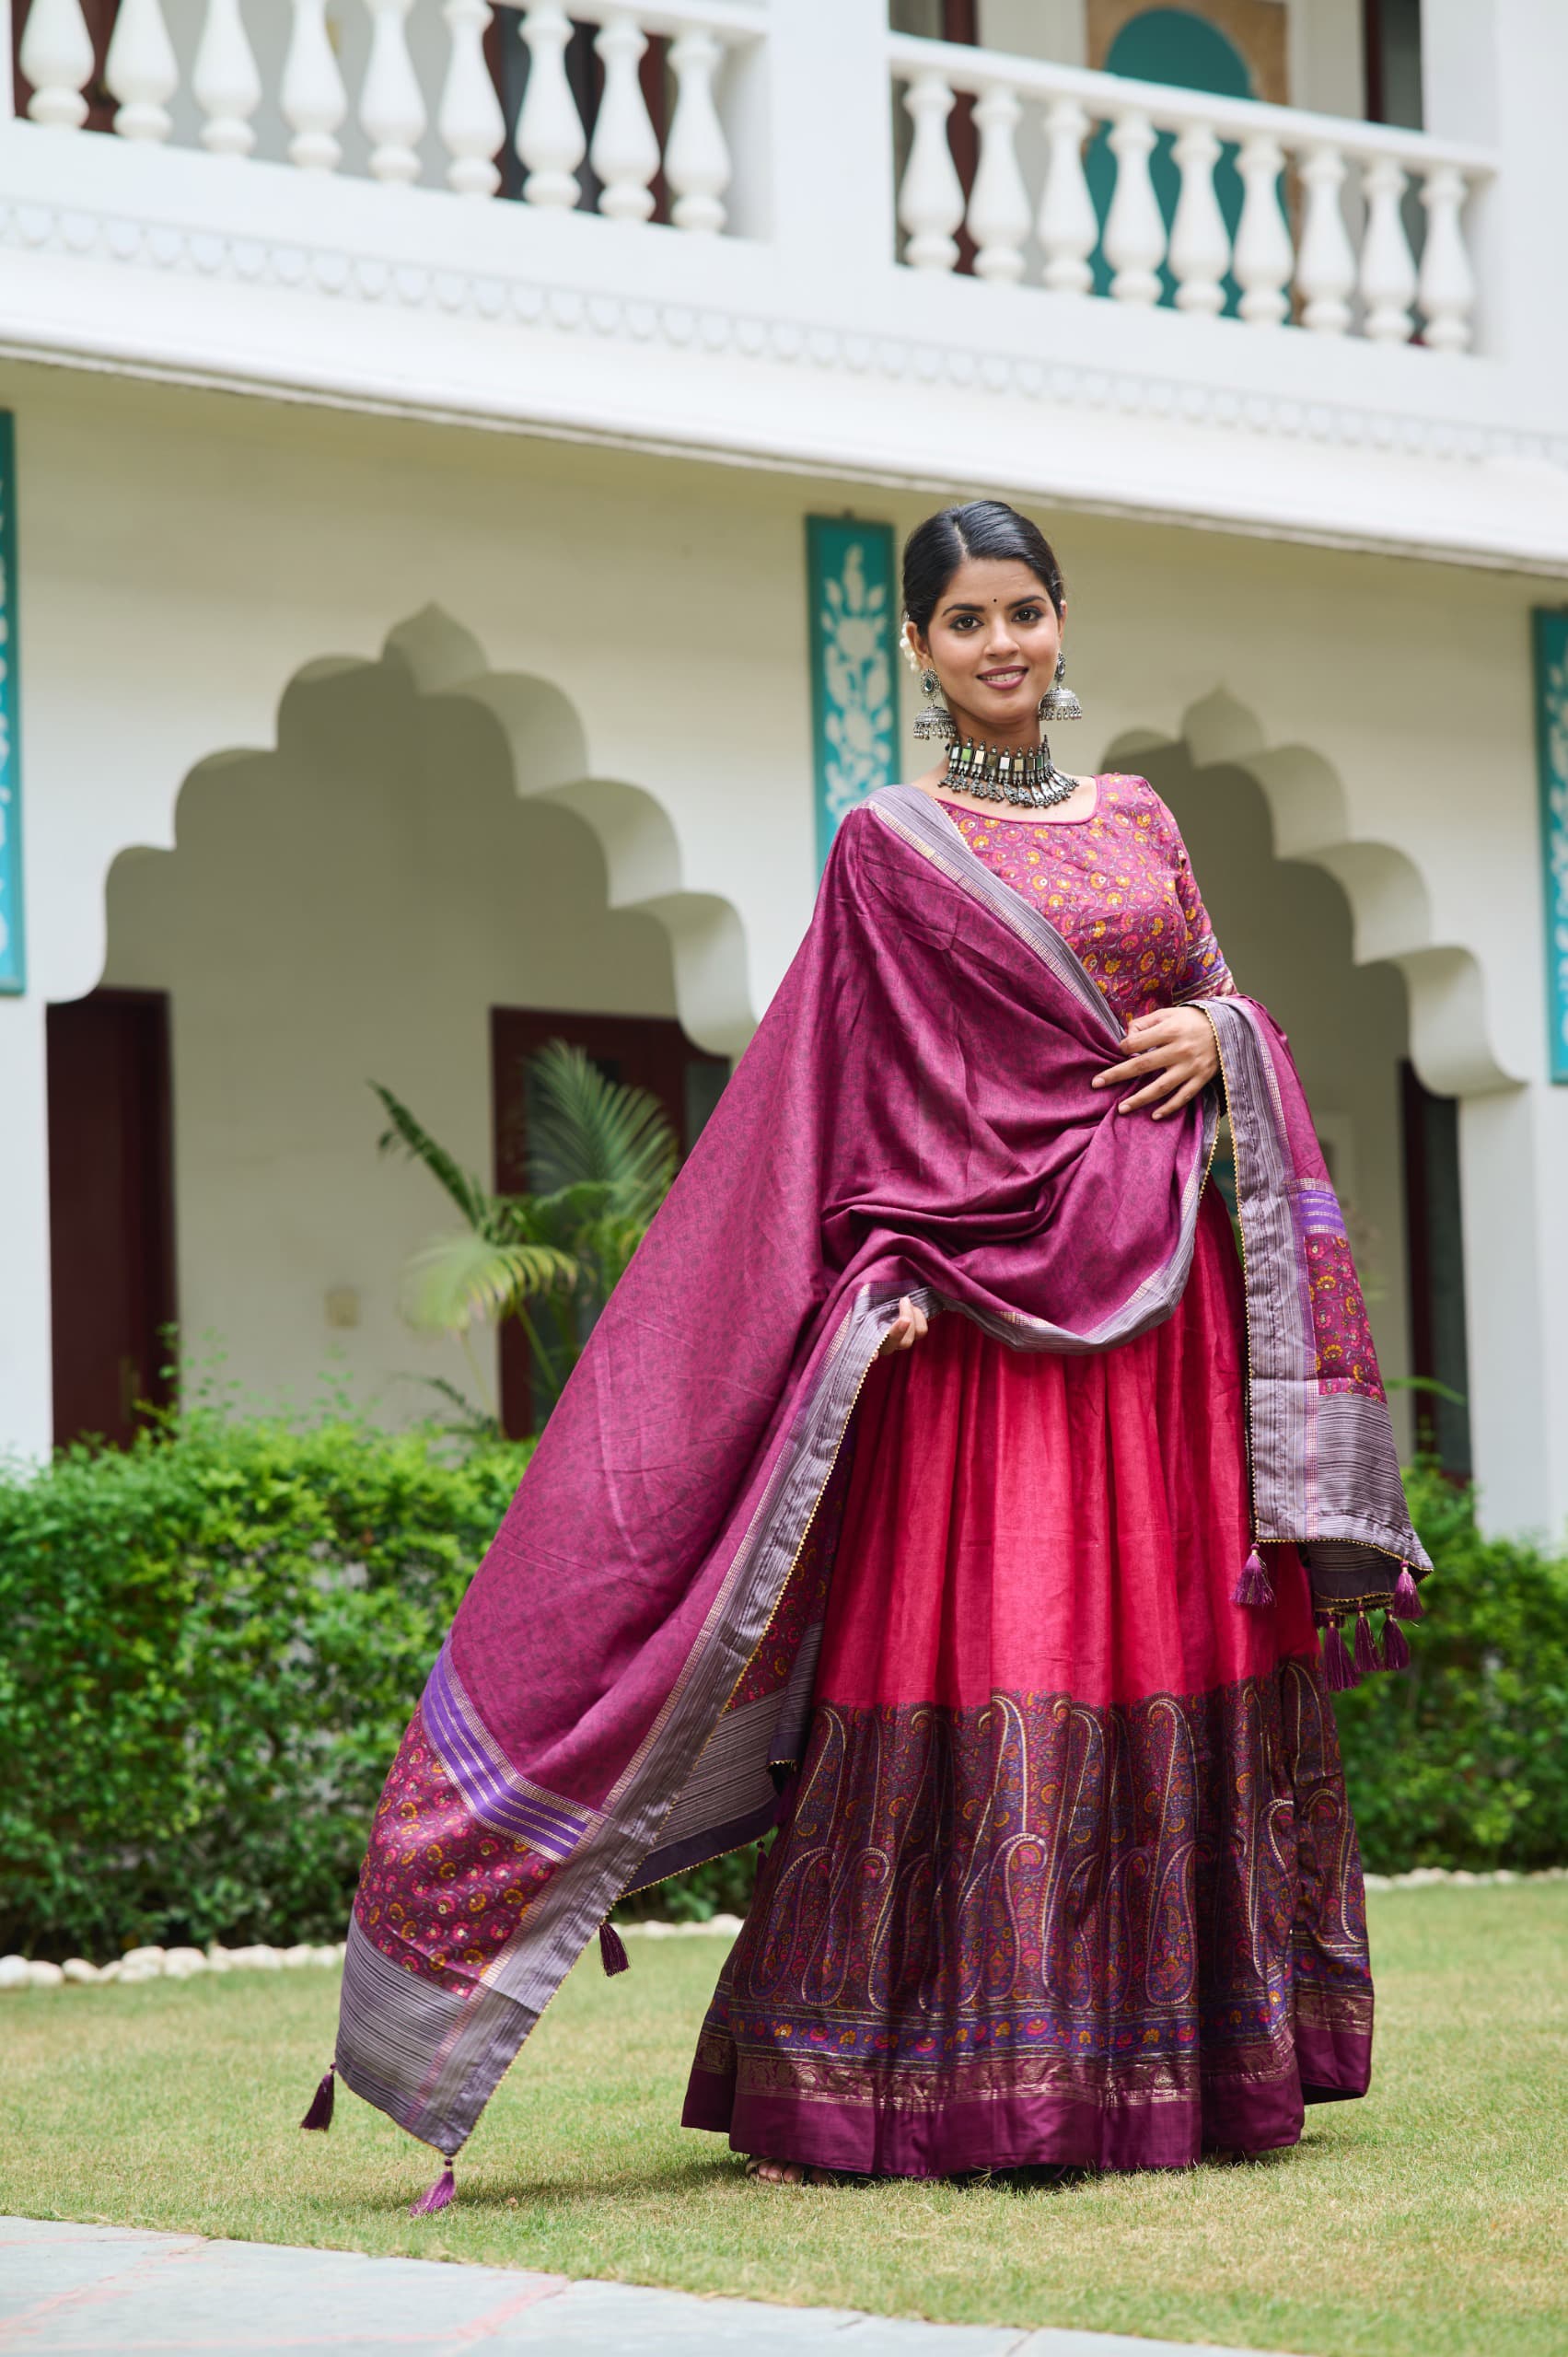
column 992, row 642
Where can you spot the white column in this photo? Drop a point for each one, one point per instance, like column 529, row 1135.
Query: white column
column 391, row 105
column 550, row 139
column 225, row 81
column 141, row 71
column 1068, row 227
column 1513, row 1153
column 827, row 135
column 470, row 122
column 696, row 154
column 624, row 153
column 312, row 96
column 1387, row 266
column 1134, row 226
column 1199, row 242
column 1262, row 261
column 1324, row 268
column 26, row 1402
column 1445, row 288
column 999, row 207
column 931, row 202
column 57, row 57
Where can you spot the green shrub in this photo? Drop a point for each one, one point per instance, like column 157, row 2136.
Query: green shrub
column 210, row 1646
column 1462, row 1760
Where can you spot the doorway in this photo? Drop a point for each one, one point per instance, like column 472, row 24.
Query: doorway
column 110, row 1211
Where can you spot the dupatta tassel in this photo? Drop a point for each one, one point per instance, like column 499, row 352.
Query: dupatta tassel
column 1396, row 1652
column 436, row 2197
column 1253, row 1586
column 320, row 2112
column 1406, row 1604
column 1339, row 1670
column 613, row 1951
column 1366, row 1651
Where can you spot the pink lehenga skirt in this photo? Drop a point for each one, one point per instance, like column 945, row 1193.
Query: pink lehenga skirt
column 1067, row 1874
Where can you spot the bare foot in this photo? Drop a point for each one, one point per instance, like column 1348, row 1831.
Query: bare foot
column 786, row 2172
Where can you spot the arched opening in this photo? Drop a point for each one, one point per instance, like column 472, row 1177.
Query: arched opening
column 1288, row 931
column 383, row 895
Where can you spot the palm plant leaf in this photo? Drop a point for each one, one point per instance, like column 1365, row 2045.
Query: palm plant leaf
column 583, row 1126
column 409, row 1136
column 458, row 1278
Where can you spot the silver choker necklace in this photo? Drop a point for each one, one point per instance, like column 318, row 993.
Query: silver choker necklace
column 1030, row 781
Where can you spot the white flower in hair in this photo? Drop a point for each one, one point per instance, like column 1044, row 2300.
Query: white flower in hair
column 906, row 640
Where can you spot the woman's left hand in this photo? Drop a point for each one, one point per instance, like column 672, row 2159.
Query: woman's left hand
column 1174, row 1050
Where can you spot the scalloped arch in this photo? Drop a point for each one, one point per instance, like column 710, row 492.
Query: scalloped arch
column 1451, row 1042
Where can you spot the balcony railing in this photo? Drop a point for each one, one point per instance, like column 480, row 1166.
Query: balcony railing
column 1337, row 253
column 214, row 95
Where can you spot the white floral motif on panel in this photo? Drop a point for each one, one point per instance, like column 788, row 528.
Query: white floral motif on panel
column 1556, row 698
column 857, row 682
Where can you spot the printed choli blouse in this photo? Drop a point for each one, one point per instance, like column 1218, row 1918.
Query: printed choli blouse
column 1119, row 887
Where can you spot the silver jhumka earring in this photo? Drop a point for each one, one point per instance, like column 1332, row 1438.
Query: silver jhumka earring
column 1059, row 702
column 935, row 720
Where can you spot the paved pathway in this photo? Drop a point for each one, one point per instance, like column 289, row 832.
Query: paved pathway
column 67, row 2288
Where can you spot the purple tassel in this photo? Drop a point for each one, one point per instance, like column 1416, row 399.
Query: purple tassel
column 1396, row 1652
column 612, row 1950
column 436, row 2197
column 1339, row 1670
column 1365, row 1653
column 1253, row 1586
column 1407, row 1604
column 320, row 2112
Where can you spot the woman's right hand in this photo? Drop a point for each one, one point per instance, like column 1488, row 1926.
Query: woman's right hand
column 907, row 1328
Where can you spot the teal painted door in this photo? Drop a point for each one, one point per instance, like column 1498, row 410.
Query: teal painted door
column 1173, row 46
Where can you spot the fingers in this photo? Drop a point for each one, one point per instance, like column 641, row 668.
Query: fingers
column 909, row 1326
column 1184, row 1095
column 1134, row 1067
column 1160, row 1085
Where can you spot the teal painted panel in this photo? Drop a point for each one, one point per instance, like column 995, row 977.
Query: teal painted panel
column 1552, row 736
column 1187, row 52
column 849, row 569
column 13, row 959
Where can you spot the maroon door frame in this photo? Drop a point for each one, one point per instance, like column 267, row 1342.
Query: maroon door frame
column 645, row 1050
column 110, row 1209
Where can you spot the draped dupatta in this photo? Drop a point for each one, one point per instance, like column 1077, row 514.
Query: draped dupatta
column 916, row 1115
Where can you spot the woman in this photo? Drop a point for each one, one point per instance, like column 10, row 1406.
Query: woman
column 974, row 1607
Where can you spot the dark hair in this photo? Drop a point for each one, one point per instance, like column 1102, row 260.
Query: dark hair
column 985, row 527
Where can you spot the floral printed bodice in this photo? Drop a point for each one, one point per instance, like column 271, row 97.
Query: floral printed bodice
column 1119, row 887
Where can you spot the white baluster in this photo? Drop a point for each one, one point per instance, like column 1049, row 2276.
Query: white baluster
column 225, row 81
column 1446, row 286
column 999, row 206
column 1068, row 227
column 1199, row 242
column 1324, row 268
column 311, row 93
column 624, row 153
column 391, row 104
column 1387, row 267
column 56, row 56
column 471, row 124
column 696, row 154
column 141, row 70
column 1262, row 258
column 550, row 132
column 1134, row 226
column 931, row 203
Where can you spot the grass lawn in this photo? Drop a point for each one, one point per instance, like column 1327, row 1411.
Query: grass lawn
column 1428, row 2219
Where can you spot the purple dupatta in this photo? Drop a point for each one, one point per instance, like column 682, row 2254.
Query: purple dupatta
column 913, row 1115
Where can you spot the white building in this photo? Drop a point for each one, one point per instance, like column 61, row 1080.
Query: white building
column 415, row 641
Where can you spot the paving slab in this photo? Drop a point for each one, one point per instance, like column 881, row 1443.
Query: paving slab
column 66, row 2289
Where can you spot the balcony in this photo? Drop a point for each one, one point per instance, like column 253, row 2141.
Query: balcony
column 728, row 227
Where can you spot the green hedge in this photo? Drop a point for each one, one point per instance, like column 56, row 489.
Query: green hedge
column 210, row 1644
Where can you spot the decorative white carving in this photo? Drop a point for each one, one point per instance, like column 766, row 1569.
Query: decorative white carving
column 470, row 122
column 1199, row 242
column 550, row 132
column 141, row 70
column 1388, row 268
column 696, row 156
column 1068, row 225
column 1134, row 226
column 391, row 105
column 624, row 153
column 857, row 720
column 1263, row 256
column 1324, row 268
column 312, row 96
column 1446, row 289
column 225, row 81
column 1554, row 699
column 56, row 55
column 931, row 203
column 999, row 211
